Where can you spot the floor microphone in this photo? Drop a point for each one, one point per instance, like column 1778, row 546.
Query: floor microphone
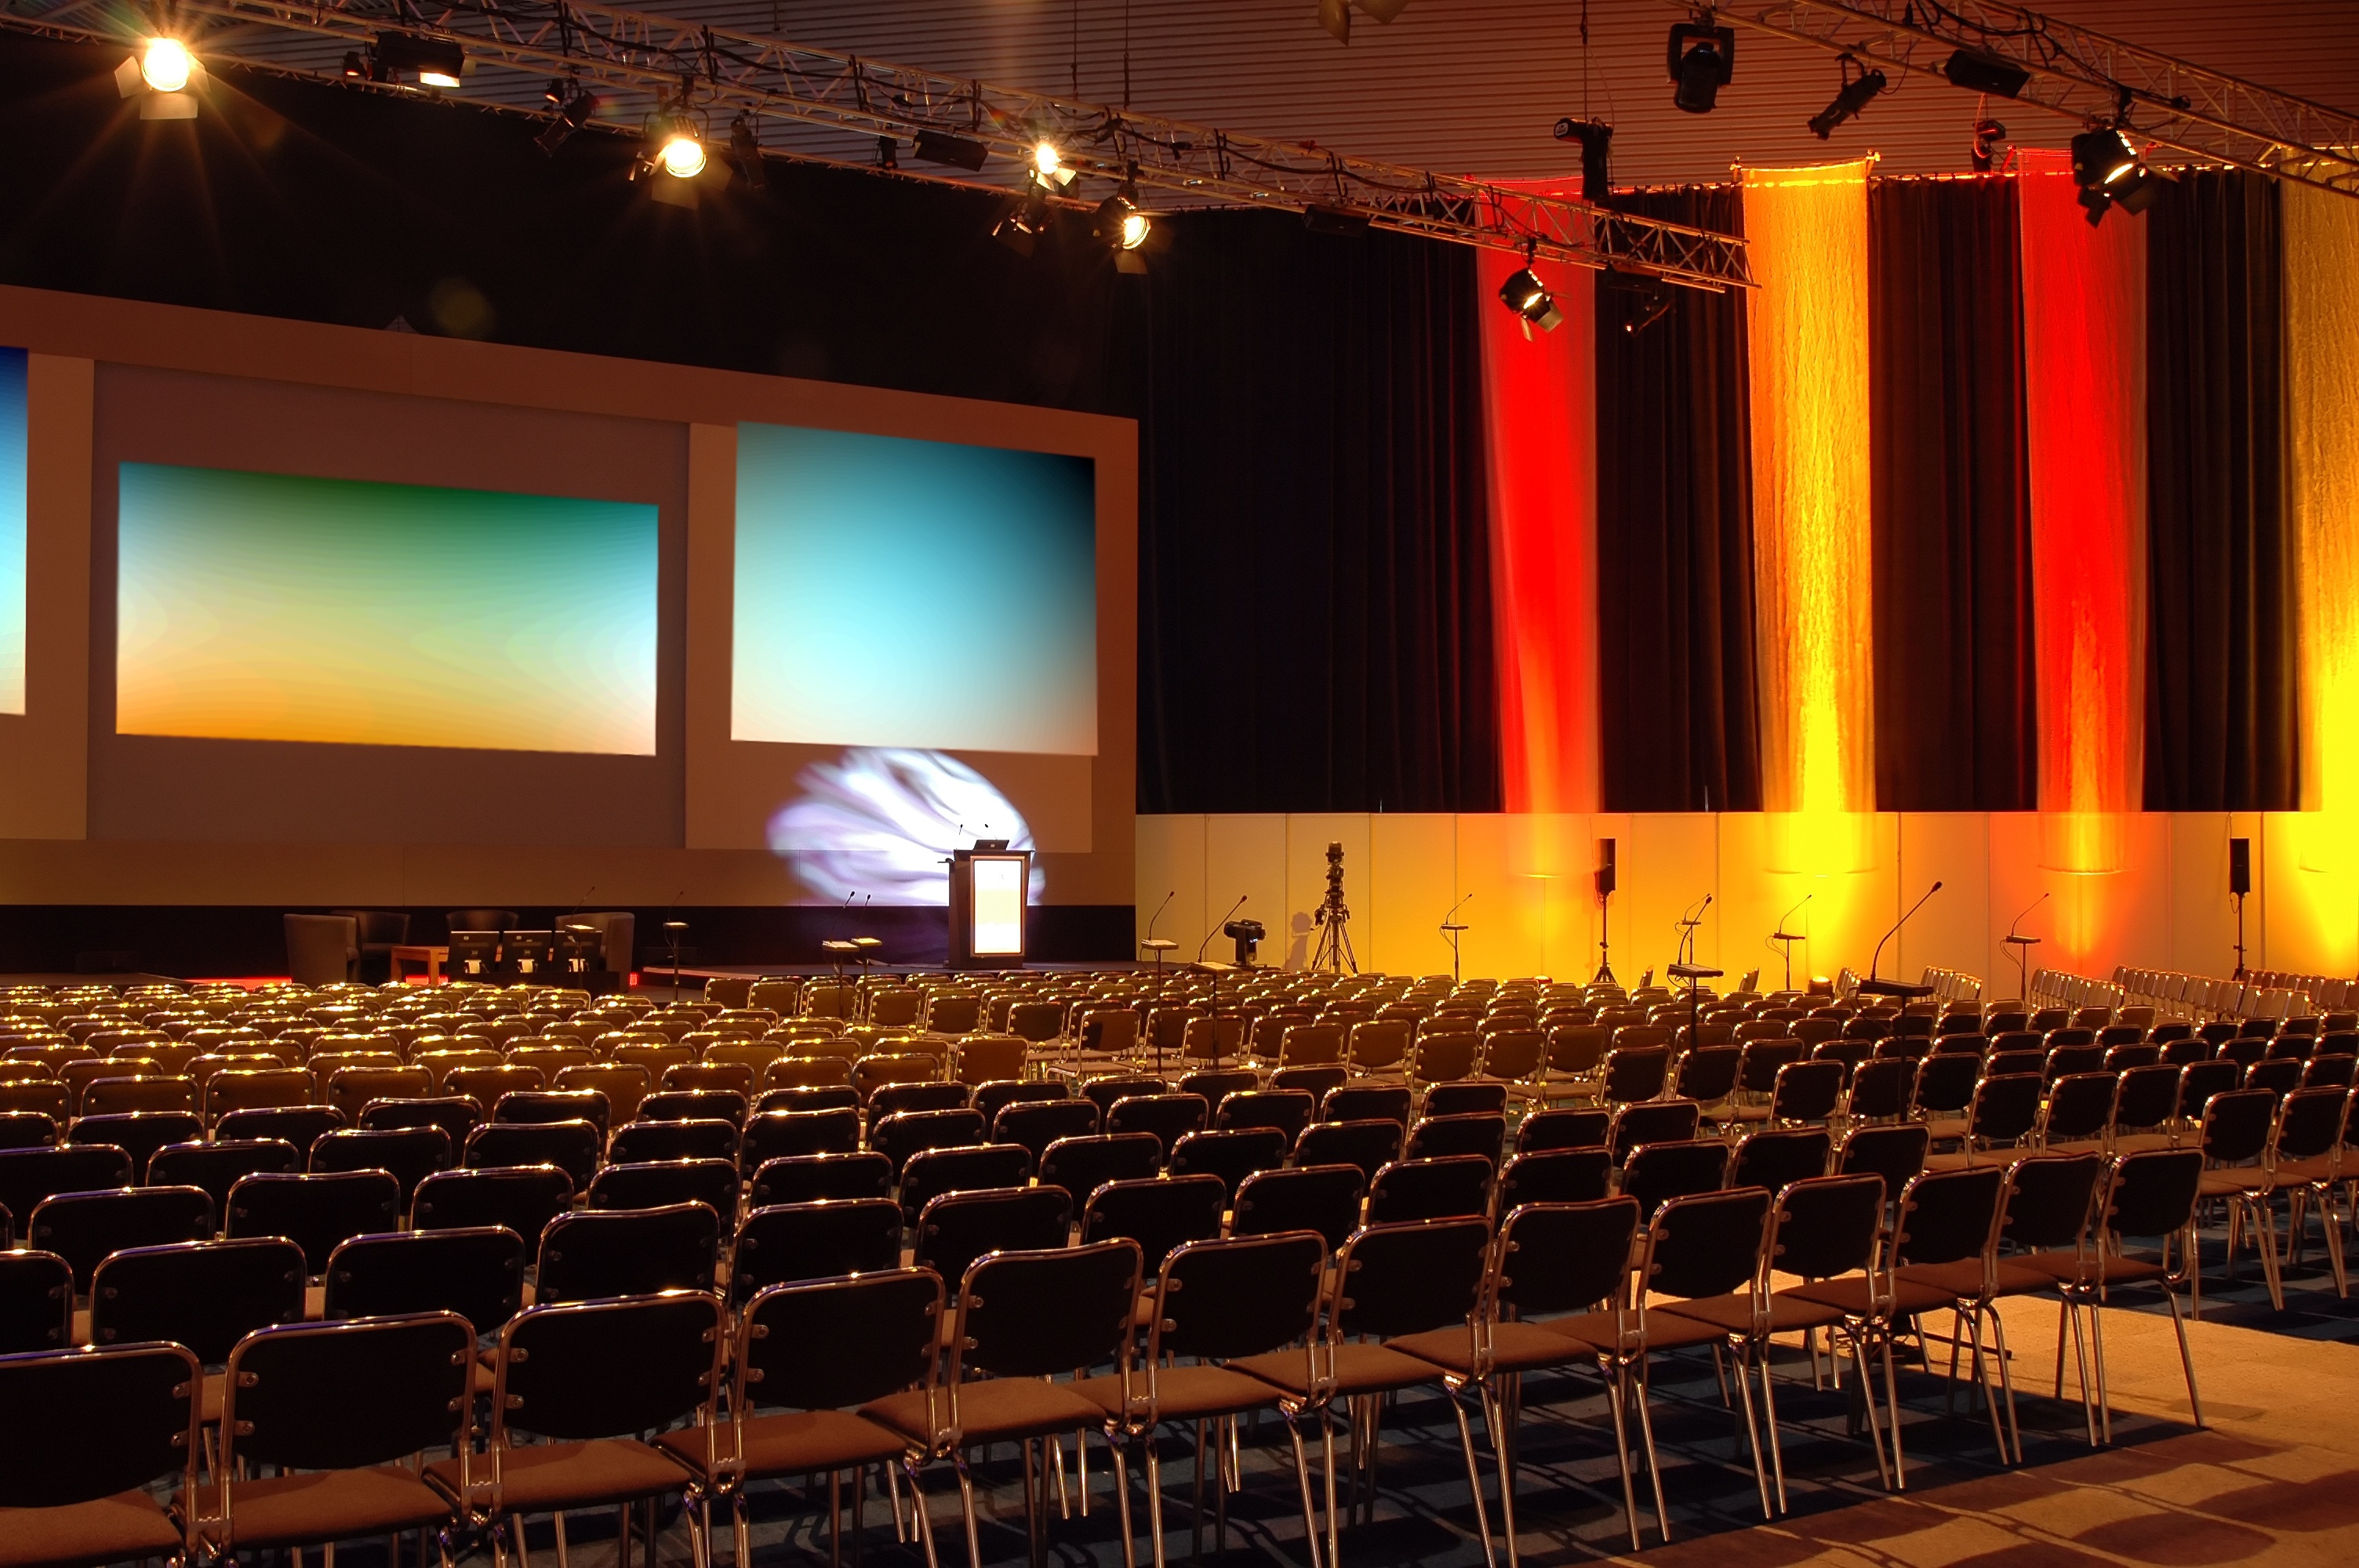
column 1217, row 925
column 1896, row 925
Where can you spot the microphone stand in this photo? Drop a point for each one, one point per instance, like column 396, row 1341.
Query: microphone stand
column 1873, row 987
column 1790, row 938
column 1687, row 969
column 1450, row 933
column 2023, row 947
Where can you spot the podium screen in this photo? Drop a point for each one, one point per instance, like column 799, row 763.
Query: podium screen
column 998, row 930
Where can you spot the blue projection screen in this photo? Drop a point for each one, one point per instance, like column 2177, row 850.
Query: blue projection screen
column 12, row 530
column 906, row 593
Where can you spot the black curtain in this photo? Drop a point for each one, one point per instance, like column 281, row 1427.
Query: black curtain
column 1956, row 722
column 1315, row 616
column 1676, row 686
column 1315, row 601
column 2221, row 730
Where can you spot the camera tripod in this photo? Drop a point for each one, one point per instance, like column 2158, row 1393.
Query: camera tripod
column 1334, row 951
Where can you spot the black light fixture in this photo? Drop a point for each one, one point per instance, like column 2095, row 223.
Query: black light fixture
column 574, row 105
column 1023, row 220
column 888, row 153
column 1988, row 134
column 435, row 62
column 1647, row 298
column 1856, row 93
column 1596, row 139
column 2110, row 173
column 746, row 151
column 1985, row 73
column 1701, row 58
column 1529, row 298
column 1123, row 227
column 957, row 152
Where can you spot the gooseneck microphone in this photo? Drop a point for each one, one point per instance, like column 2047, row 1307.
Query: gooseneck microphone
column 1896, row 925
column 2028, row 908
column 1217, row 925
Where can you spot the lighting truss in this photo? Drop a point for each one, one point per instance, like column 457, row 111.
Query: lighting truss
column 634, row 62
column 2085, row 76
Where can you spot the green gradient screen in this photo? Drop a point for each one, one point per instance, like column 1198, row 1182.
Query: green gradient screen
column 907, row 593
column 271, row 607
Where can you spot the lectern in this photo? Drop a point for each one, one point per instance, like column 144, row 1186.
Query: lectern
column 989, row 885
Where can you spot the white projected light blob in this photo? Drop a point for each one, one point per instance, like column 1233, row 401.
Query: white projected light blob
column 880, row 821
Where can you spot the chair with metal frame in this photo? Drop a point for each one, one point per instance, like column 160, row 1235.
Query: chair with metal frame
column 663, row 1183
column 590, row 1254
column 1080, row 1166
column 2002, row 1117
column 773, row 1135
column 589, row 1376
column 1776, row 1158
column 788, row 1243
column 477, row 1273
column 1656, row 1173
column 1022, row 1318
column 334, row 1407
column 1448, row 1187
column 83, row 1229
column 206, row 1295
column 1570, row 1128
column 956, row 1228
column 1370, row 1144
column 314, row 1211
column 571, row 1146
column 1232, row 1156
column 410, row 1154
column 881, row 1331
column 1322, row 1198
column 813, row 1178
column 1170, row 1117
column 74, row 1484
column 524, row 1198
column 2235, row 1137
column 933, row 1171
column 2044, row 1222
column 30, row 1176
column 138, row 1133
column 2304, row 1162
column 1036, row 1124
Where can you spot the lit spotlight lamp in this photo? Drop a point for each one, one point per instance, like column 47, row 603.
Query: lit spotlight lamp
column 2110, row 173
column 1523, row 294
column 1856, row 93
column 435, row 62
column 1121, row 224
column 164, row 76
column 1048, row 166
column 1702, row 58
column 671, row 155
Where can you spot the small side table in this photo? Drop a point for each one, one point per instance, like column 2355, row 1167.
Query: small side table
column 434, row 958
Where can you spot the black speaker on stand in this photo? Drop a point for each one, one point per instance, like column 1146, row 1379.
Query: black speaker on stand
column 1605, row 883
column 2240, row 883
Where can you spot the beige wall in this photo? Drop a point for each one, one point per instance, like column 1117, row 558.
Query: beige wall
column 1532, row 909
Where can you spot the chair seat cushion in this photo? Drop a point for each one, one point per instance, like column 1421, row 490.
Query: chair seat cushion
column 1734, row 1314
column 332, row 1505
column 2303, row 1172
column 2060, row 1266
column 1183, row 1393
column 1002, row 1409
column 793, row 1443
column 1850, row 1295
column 2228, row 1183
column 1514, row 1347
column 1976, row 1159
column 1960, row 1281
column 544, row 1477
column 1359, row 1370
column 104, row 1530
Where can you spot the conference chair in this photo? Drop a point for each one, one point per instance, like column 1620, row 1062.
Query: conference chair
column 76, row 1484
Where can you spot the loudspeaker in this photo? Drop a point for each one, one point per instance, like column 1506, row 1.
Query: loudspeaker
column 1604, row 867
column 2240, row 866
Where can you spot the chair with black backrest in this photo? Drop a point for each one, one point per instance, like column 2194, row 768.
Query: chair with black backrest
column 571, row 1146
column 2150, row 1193
column 2278, row 1074
column 1366, row 1102
column 1080, row 1166
column 1582, row 1128
column 1463, row 1099
column 1553, row 1176
column 524, row 1198
column 84, row 1227
column 1325, row 1198
column 76, row 1484
column 992, row 1097
column 1421, row 1279
column 539, row 1106
column 1232, row 1156
column 2304, row 1162
column 1896, row 1153
column 883, row 1330
column 1656, row 1173
column 588, row 1254
column 1221, row 1301
column 1371, row 1145
column 28, row 1129
column 2145, row 1103
column 1318, row 1082
column 1446, row 1187
column 958, row 1227
column 2079, row 1112
column 1776, row 1158
column 1216, row 1083
column 813, row 1178
column 1707, row 1074
column 786, row 1243
column 1287, row 1111
column 477, row 1273
column 587, row 1378
column 1632, row 1073
column 662, row 1184
column 2234, row 1136
column 890, row 1099
column 1022, row 1318
column 1168, row 1117
column 206, row 1295
column 1159, row 1214
column 729, row 1105
column 774, row 1135
column 903, row 1133
column 636, row 1142
column 1654, row 1122
column 456, row 1115
column 1881, row 1090
column 2329, row 1071
column 2000, row 1121
column 1439, row 1137
column 1945, row 1089
column 217, row 1166
column 933, row 1171
column 805, row 1098
column 29, row 1176
column 410, row 1154
column 1036, row 1124
column 315, row 1211
column 139, row 1133
column 2045, row 1226
column 1103, row 1091
column 334, row 1408
column 37, row 1301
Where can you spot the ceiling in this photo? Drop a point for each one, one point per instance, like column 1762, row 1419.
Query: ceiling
column 1469, row 87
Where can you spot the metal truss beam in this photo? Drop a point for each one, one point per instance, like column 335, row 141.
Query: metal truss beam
column 636, row 62
column 2085, row 76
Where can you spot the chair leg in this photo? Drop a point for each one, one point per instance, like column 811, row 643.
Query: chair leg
column 1654, row 1464
column 1769, row 1420
column 1866, row 1400
column 2006, row 1377
column 1154, row 1501
column 1502, row 1452
column 2097, row 1344
column 1302, row 1486
column 1121, row 1497
column 1972, row 1325
column 741, row 1529
column 2265, row 1236
column 1892, row 1406
column 966, row 1508
column 1327, row 1451
column 2326, row 1222
column 1473, row 1476
column 924, row 1525
column 2186, row 1357
column 1753, row 1436
column 2081, row 1359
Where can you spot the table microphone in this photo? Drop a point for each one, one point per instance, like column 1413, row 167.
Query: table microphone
column 1896, row 925
column 2035, row 903
column 1158, row 913
column 1217, row 925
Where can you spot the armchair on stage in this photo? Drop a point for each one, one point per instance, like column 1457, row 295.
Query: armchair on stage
column 990, row 888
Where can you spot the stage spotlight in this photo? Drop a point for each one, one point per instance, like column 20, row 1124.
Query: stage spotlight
column 746, row 151
column 1048, row 166
column 574, row 107
column 1985, row 73
column 1702, row 59
column 1529, row 298
column 957, row 152
column 1596, row 139
column 435, row 62
column 1988, row 134
column 1023, row 220
column 888, row 153
column 164, row 76
column 682, row 154
column 165, row 65
column 1856, row 93
column 1119, row 224
column 1647, row 298
column 2110, row 173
